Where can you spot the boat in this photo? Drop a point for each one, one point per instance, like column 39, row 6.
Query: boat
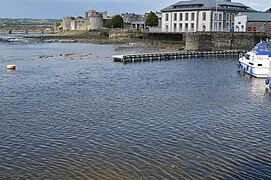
column 257, row 62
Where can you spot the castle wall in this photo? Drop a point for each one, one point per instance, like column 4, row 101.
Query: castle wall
column 93, row 20
column 66, row 23
column 96, row 22
column 81, row 24
column 73, row 25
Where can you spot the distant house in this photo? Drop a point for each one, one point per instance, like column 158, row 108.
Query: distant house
column 253, row 22
column 201, row 15
column 136, row 21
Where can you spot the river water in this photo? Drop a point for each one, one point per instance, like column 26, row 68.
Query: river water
column 91, row 118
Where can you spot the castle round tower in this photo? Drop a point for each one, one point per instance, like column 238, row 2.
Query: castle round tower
column 95, row 20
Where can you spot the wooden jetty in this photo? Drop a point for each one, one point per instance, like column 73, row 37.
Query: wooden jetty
column 129, row 58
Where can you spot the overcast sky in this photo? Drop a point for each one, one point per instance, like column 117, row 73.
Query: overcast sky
column 59, row 8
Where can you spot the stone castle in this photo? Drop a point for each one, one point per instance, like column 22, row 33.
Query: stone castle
column 92, row 20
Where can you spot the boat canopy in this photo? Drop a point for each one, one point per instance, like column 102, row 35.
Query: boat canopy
column 263, row 48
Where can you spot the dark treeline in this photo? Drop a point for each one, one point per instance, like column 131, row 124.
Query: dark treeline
column 26, row 21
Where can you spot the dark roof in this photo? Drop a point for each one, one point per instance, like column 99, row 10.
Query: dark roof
column 133, row 17
column 257, row 16
column 207, row 5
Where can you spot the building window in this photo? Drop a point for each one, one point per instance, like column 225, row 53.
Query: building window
column 228, row 25
column 215, row 16
column 166, row 17
column 186, row 26
column 219, row 26
column 192, row 26
column 180, row 27
column 232, row 17
column 187, row 6
column 220, row 17
column 228, row 17
column 242, row 27
column 215, row 26
column 203, row 28
column 166, row 28
column 204, row 16
column 175, row 27
column 181, row 16
column 192, row 16
column 175, row 16
column 186, row 16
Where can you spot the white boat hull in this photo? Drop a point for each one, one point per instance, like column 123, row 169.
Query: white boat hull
column 258, row 66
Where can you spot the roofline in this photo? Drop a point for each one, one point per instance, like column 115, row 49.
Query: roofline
column 233, row 5
column 210, row 9
column 258, row 21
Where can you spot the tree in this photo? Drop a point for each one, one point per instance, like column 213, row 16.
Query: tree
column 151, row 20
column 108, row 23
column 115, row 22
column 268, row 10
column 58, row 23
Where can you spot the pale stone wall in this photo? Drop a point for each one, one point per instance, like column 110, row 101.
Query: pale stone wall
column 73, row 25
column 66, row 23
column 81, row 24
column 213, row 41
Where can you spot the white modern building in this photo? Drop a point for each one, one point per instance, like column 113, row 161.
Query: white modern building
column 201, row 15
column 253, row 22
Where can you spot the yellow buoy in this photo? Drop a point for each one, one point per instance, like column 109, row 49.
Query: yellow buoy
column 11, row 67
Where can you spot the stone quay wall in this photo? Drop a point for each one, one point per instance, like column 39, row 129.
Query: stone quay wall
column 222, row 41
column 199, row 41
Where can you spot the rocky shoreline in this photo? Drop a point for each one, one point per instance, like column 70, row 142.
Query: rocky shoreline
column 129, row 40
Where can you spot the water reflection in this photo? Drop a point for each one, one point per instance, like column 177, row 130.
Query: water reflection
column 256, row 86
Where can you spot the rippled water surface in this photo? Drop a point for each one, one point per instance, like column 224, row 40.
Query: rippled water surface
column 92, row 118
